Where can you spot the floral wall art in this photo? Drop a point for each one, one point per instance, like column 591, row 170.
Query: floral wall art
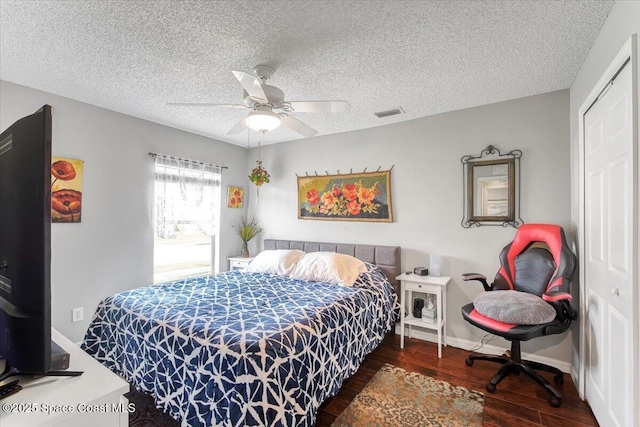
column 66, row 190
column 235, row 197
column 352, row 197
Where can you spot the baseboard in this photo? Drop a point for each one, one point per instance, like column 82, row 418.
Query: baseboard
column 488, row 349
column 575, row 378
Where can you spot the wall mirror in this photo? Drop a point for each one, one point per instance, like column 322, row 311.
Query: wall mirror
column 492, row 188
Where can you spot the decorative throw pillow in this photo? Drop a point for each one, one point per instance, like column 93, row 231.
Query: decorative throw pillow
column 515, row 307
column 330, row 267
column 278, row 261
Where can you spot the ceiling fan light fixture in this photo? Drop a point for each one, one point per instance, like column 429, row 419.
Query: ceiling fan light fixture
column 262, row 119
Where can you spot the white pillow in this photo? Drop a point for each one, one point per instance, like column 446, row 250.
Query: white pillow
column 279, row 261
column 329, row 267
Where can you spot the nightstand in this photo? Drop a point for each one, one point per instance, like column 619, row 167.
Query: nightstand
column 410, row 283
column 238, row 262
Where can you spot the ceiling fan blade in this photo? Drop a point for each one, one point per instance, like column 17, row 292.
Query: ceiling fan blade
column 204, row 104
column 252, row 85
column 298, row 126
column 320, row 106
column 238, row 128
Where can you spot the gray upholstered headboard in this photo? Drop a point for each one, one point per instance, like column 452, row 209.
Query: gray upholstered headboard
column 387, row 258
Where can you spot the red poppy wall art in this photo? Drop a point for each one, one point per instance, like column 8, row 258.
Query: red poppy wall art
column 66, row 190
column 352, row 197
column 235, row 197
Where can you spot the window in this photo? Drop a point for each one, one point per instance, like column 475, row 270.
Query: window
column 186, row 212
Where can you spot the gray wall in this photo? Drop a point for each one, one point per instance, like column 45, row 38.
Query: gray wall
column 427, row 191
column 112, row 249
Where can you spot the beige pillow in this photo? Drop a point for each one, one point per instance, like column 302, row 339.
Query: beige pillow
column 279, row 261
column 329, row 267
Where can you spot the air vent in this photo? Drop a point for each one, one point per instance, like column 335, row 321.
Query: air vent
column 388, row 113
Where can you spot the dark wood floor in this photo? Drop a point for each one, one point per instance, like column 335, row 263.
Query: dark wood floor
column 517, row 400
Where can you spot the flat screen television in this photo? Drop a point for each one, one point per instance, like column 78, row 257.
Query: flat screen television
column 25, row 243
column 25, row 246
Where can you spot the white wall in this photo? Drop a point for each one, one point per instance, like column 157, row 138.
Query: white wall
column 112, row 249
column 622, row 22
column 427, row 190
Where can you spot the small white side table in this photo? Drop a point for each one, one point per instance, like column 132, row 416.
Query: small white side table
column 410, row 283
column 238, row 262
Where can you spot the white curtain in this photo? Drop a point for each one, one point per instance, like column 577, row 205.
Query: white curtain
column 186, row 197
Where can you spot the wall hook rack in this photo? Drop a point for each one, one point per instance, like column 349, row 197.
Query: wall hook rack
column 351, row 172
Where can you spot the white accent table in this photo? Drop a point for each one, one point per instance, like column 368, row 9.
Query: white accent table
column 94, row 398
column 410, row 283
column 238, row 262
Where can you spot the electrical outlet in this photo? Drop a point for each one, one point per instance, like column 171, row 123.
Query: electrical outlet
column 77, row 314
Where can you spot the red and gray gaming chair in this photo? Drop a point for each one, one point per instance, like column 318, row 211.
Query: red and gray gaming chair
column 538, row 261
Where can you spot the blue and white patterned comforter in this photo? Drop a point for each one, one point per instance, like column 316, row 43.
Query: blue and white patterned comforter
column 242, row 349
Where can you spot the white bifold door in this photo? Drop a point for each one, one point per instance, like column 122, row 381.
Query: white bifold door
column 609, row 248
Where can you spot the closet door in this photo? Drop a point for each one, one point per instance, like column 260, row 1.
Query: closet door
column 610, row 248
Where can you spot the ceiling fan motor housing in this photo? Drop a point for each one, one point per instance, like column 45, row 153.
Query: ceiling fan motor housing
column 274, row 95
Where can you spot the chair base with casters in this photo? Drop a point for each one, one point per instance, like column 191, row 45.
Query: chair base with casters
column 513, row 362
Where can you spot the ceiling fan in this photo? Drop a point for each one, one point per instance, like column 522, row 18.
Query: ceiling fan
column 268, row 106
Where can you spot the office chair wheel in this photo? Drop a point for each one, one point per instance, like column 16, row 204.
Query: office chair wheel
column 558, row 379
column 555, row 402
column 490, row 388
column 469, row 361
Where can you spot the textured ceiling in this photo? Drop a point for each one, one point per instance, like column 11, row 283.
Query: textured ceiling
column 428, row 57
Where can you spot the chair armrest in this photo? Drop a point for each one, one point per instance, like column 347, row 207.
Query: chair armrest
column 479, row 277
column 556, row 296
column 561, row 301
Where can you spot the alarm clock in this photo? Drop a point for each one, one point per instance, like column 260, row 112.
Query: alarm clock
column 421, row 271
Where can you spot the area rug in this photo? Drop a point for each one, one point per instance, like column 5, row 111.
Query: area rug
column 395, row 397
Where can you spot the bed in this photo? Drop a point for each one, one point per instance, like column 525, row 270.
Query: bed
column 244, row 348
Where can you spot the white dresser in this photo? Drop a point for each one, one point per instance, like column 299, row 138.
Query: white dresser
column 93, row 399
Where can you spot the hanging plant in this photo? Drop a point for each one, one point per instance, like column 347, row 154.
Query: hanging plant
column 259, row 175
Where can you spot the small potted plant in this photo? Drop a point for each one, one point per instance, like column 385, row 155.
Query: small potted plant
column 247, row 230
column 259, row 175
